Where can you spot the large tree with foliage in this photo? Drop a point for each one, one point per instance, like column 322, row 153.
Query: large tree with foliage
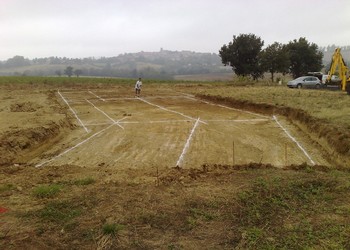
column 78, row 72
column 304, row 57
column 69, row 71
column 274, row 58
column 243, row 55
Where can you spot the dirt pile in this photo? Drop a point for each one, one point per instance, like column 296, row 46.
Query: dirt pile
column 182, row 175
column 14, row 144
column 334, row 140
column 25, row 107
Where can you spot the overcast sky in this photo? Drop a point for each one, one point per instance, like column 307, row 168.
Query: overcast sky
column 86, row 28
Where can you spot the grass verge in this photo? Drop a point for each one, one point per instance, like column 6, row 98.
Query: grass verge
column 293, row 213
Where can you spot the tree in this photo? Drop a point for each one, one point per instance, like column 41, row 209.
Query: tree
column 304, row 57
column 58, row 72
column 78, row 72
column 275, row 59
column 17, row 61
column 243, row 55
column 69, row 71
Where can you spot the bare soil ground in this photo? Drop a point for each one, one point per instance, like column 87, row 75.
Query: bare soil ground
column 156, row 168
column 115, row 129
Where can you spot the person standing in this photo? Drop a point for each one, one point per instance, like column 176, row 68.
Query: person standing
column 138, row 86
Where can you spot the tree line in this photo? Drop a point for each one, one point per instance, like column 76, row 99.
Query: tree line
column 244, row 54
column 247, row 58
column 158, row 65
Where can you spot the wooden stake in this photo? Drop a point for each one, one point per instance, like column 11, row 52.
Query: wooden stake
column 285, row 154
column 233, row 152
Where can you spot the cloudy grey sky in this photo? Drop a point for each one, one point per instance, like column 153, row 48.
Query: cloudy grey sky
column 85, row 28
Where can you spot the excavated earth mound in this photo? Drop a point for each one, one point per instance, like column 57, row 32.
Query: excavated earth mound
column 16, row 144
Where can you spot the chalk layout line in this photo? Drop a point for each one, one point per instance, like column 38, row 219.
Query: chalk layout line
column 75, row 114
column 169, row 110
column 294, row 140
column 110, row 118
column 226, row 107
column 187, row 144
column 97, row 96
column 74, row 147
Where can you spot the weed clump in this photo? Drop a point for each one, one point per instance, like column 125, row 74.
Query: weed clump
column 59, row 212
column 84, row 181
column 47, row 191
column 6, row 187
column 112, row 228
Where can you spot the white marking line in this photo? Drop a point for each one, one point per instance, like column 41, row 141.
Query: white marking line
column 70, row 149
column 82, row 124
column 169, row 110
column 148, row 97
column 114, row 122
column 222, row 106
column 174, row 121
column 187, row 144
column 294, row 140
column 119, row 121
column 77, row 102
column 193, row 99
column 169, row 121
column 240, row 110
column 70, row 91
column 243, row 120
column 165, row 97
column 184, row 94
column 97, row 96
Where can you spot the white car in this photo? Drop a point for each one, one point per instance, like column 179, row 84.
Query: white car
column 305, row 81
column 334, row 79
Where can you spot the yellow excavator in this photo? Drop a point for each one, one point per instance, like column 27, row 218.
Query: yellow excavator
column 338, row 66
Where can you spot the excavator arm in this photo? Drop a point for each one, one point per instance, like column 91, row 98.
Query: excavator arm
column 338, row 65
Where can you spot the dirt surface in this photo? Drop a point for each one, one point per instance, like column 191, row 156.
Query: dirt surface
column 114, row 129
column 133, row 149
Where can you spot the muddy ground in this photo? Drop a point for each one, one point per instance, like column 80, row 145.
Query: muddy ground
column 132, row 149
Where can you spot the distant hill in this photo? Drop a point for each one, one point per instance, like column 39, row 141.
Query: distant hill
column 164, row 64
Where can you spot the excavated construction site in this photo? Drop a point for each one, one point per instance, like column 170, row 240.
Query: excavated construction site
column 97, row 167
column 113, row 128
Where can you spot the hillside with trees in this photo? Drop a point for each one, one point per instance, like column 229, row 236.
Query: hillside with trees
column 164, row 64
